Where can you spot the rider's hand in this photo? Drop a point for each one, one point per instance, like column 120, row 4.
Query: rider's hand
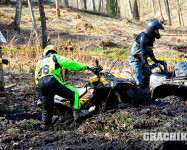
column 161, row 62
column 91, row 68
column 5, row 61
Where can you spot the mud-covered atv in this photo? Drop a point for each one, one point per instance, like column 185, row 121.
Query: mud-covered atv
column 104, row 90
column 164, row 83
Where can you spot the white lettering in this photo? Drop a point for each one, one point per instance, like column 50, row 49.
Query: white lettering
column 166, row 136
column 172, row 136
column 160, row 137
column 183, row 137
column 152, row 136
column 146, row 136
column 178, row 136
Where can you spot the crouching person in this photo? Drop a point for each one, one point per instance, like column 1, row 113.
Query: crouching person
column 47, row 78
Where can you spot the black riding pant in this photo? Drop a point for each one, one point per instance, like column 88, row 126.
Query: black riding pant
column 49, row 86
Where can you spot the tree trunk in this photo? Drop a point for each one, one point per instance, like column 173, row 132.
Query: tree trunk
column 107, row 7
column 150, row 2
column 85, row 4
column 33, row 21
column 138, row 2
column 1, row 74
column 135, row 11
column 66, row 3
column 94, row 8
column 160, row 10
column 17, row 19
column 57, row 8
column 43, row 24
column 182, row 20
column 178, row 10
column 130, row 9
column 179, row 13
column 117, row 7
column 168, row 11
column 153, row 5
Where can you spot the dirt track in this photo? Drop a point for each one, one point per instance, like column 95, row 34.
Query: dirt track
column 118, row 128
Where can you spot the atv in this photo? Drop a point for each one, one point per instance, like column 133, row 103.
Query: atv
column 103, row 91
column 164, row 83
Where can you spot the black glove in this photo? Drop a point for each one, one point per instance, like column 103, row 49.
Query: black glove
column 5, row 61
column 161, row 62
column 91, row 68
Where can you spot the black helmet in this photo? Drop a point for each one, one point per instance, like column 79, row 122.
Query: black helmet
column 151, row 26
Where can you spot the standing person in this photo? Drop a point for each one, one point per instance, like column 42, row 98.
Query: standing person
column 142, row 49
column 47, row 78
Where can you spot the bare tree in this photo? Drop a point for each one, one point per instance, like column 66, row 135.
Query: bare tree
column 160, row 10
column 43, row 24
column 135, row 11
column 66, row 3
column 94, row 8
column 85, row 4
column 153, row 5
column 179, row 13
column 130, row 8
column 117, row 7
column 168, row 11
column 107, row 7
column 17, row 19
column 33, row 20
column 57, row 8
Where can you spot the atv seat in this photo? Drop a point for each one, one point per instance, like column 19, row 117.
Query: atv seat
column 81, row 91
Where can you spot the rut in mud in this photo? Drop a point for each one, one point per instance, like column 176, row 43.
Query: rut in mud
column 119, row 128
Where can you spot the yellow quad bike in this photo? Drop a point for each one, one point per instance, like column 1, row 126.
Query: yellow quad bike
column 104, row 90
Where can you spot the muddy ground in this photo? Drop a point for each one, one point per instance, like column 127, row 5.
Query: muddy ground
column 121, row 127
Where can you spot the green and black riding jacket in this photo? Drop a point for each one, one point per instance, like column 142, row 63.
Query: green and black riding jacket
column 52, row 65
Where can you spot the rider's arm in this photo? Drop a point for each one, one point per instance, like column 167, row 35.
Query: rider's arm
column 152, row 56
column 70, row 64
column 143, row 47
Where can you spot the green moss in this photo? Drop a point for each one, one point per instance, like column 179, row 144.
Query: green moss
column 113, row 7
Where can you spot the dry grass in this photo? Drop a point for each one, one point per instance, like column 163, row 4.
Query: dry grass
column 82, row 33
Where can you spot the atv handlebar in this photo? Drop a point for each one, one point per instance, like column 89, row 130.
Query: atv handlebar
column 96, row 69
column 159, row 65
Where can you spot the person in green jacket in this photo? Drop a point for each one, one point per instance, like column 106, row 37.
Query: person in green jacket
column 47, row 79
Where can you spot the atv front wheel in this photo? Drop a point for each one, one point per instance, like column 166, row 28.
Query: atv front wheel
column 138, row 96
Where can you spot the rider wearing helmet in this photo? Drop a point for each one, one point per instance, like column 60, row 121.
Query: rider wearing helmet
column 142, row 49
column 47, row 79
